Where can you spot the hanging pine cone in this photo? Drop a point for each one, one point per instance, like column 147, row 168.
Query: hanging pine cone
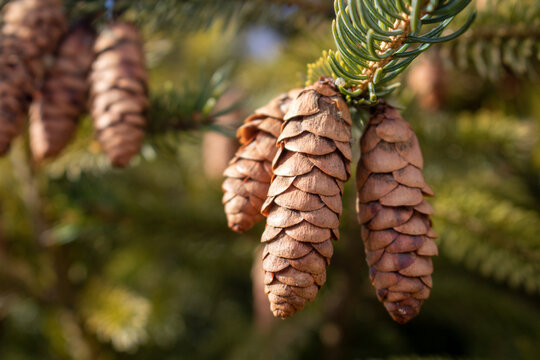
column 250, row 171
column 304, row 200
column 118, row 92
column 31, row 29
column 54, row 116
column 396, row 228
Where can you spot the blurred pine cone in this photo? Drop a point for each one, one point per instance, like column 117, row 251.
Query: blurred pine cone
column 31, row 29
column 396, row 228
column 218, row 149
column 304, row 200
column 250, row 171
column 118, row 92
column 427, row 79
column 54, row 116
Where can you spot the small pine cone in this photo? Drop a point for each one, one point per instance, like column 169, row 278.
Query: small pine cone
column 15, row 94
column 248, row 175
column 304, row 200
column 54, row 116
column 31, row 30
column 396, row 227
column 118, row 92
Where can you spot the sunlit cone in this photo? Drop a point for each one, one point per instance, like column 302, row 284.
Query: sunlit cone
column 304, row 200
column 31, row 30
column 249, row 173
column 118, row 92
column 54, row 115
column 396, row 227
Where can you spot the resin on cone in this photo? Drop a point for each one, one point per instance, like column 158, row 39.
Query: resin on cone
column 118, row 92
column 54, row 115
column 30, row 31
column 249, row 173
column 396, row 227
column 305, row 198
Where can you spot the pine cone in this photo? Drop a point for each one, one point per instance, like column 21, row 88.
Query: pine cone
column 304, row 200
column 31, row 30
column 250, row 171
column 118, row 92
column 54, row 116
column 396, row 228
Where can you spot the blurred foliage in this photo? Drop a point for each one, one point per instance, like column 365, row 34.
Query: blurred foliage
column 97, row 263
column 115, row 314
column 504, row 39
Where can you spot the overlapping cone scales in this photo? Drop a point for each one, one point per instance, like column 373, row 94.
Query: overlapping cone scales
column 31, row 29
column 248, row 175
column 118, row 92
column 53, row 116
column 304, row 200
column 396, row 227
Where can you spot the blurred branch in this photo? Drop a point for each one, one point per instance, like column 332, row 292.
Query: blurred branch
column 493, row 50
column 191, row 108
column 61, row 294
column 321, row 7
column 505, row 38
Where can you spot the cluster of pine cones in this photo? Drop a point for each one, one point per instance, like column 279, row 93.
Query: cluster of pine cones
column 53, row 73
column 294, row 158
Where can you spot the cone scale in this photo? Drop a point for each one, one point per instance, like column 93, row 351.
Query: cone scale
column 31, row 29
column 62, row 100
column 249, row 173
column 396, row 228
column 305, row 197
column 118, row 92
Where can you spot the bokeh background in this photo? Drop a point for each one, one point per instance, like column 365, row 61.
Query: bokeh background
column 98, row 263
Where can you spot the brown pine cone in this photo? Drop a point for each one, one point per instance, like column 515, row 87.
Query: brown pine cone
column 118, row 92
column 248, row 175
column 396, row 227
column 31, row 30
column 15, row 94
column 54, row 116
column 304, row 200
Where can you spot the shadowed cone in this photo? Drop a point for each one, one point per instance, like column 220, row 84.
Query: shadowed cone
column 396, row 228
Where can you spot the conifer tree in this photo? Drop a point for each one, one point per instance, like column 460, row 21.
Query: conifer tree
column 137, row 263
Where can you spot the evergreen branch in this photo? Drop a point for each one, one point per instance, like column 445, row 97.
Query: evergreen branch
column 491, row 235
column 504, row 39
column 190, row 109
column 495, row 50
column 376, row 41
